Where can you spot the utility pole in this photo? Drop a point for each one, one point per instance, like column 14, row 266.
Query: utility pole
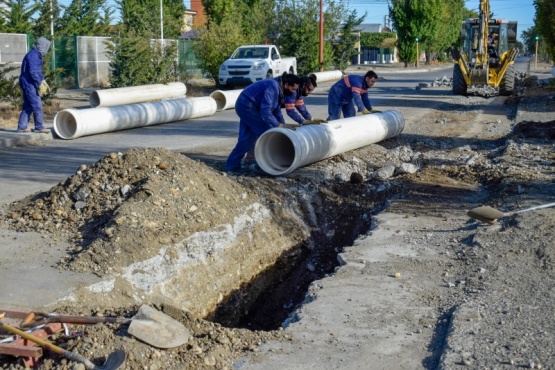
column 321, row 35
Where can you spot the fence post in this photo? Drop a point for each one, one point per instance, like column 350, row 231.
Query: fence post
column 76, row 53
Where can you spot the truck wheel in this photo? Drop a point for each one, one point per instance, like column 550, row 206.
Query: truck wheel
column 459, row 84
column 508, row 82
column 269, row 75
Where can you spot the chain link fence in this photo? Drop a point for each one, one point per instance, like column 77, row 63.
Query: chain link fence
column 83, row 59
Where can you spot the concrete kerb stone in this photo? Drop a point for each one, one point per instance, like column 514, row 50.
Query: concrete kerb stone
column 12, row 138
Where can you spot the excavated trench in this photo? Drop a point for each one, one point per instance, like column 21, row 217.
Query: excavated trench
column 344, row 212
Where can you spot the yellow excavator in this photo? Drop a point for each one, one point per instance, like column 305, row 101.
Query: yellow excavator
column 485, row 58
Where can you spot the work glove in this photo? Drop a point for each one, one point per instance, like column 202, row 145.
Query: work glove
column 289, row 126
column 314, row 121
column 43, row 88
column 366, row 111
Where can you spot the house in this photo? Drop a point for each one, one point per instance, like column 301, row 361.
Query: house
column 386, row 53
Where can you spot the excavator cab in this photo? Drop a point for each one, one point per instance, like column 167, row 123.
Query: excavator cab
column 501, row 33
column 486, row 56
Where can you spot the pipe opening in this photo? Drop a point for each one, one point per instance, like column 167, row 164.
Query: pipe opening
column 220, row 99
column 277, row 153
column 94, row 99
column 65, row 124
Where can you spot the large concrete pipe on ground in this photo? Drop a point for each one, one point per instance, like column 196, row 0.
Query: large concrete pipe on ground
column 74, row 123
column 226, row 99
column 328, row 76
column 279, row 150
column 137, row 94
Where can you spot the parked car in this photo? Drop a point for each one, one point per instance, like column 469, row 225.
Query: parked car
column 251, row 63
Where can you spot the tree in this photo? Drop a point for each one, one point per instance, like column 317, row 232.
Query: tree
column 216, row 43
column 251, row 15
column 295, row 28
column 17, row 15
column 448, row 30
column 545, row 24
column 344, row 49
column 412, row 19
column 49, row 11
column 84, row 18
column 137, row 58
column 529, row 38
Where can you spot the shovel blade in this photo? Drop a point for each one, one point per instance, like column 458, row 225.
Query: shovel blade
column 485, row 214
column 116, row 360
column 158, row 329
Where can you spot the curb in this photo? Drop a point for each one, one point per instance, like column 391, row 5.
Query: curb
column 10, row 139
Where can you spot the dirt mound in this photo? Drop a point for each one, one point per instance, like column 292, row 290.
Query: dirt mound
column 131, row 204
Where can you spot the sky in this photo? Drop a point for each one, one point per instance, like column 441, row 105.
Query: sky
column 522, row 11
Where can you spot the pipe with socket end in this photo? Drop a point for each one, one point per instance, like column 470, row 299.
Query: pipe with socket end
column 279, row 151
column 74, row 123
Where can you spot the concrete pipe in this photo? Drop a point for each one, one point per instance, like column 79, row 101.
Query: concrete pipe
column 226, row 99
column 279, row 150
column 137, row 94
column 74, row 123
column 328, row 76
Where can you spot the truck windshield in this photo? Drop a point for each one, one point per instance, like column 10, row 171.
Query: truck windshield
column 250, row 53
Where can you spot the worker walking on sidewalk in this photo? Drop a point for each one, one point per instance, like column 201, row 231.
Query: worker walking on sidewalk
column 348, row 90
column 33, row 85
column 259, row 109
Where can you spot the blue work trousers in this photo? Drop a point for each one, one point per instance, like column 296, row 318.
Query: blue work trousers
column 251, row 126
column 32, row 104
column 338, row 103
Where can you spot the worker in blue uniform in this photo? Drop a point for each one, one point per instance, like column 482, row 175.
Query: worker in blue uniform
column 259, row 109
column 295, row 102
column 349, row 91
column 32, row 83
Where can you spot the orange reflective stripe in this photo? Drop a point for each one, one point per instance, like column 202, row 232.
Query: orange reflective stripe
column 359, row 90
column 346, row 79
column 289, row 106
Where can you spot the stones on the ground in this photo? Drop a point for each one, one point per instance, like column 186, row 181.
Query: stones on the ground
column 210, row 360
column 80, row 205
column 356, row 178
column 406, row 168
column 385, row 172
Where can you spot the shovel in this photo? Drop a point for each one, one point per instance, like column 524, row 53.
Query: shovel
column 148, row 325
column 114, row 361
column 489, row 215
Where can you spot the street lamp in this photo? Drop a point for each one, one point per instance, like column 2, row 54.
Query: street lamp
column 537, row 38
column 417, row 52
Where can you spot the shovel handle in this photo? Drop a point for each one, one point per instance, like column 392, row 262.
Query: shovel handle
column 28, row 322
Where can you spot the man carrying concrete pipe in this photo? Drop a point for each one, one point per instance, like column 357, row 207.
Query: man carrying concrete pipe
column 348, row 90
column 259, row 109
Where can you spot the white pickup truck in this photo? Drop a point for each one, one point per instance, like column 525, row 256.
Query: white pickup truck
column 251, row 63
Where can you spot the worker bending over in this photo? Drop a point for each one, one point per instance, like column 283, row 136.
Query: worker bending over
column 259, row 109
column 348, row 91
